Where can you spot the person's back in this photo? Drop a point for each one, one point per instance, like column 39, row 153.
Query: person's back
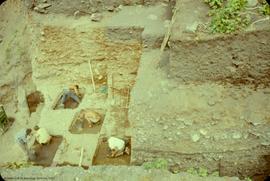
column 72, row 92
column 42, row 136
column 21, row 138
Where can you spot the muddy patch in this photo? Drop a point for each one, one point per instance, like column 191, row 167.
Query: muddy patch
column 82, row 124
column 45, row 153
column 33, row 100
column 102, row 154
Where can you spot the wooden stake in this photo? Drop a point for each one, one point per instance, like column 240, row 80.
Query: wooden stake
column 112, row 87
column 81, row 157
column 92, row 76
column 167, row 35
column 127, row 103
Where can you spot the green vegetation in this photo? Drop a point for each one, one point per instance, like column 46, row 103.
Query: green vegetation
column 265, row 9
column 214, row 3
column 236, row 5
column 229, row 17
column 16, row 165
column 201, row 172
column 157, row 164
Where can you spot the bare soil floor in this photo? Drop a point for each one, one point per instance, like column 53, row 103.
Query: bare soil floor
column 203, row 105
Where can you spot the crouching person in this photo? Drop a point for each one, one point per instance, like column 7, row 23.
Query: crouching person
column 24, row 139
column 42, row 136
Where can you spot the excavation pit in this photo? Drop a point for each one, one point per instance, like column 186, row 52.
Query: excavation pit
column 101, row 156
column 45, row 153
column 69, row 102
column 82, row 124
column 33, row 100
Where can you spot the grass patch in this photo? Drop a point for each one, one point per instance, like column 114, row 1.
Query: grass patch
column 214, row 3
column 201, row 172
column 156, row 164
column 230, row 17
column 265, row 8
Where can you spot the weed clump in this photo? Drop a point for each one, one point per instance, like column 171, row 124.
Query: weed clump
column 214, row 3
column 157, row 164
column 229, row 18
column 201, row 172
column 265, row 8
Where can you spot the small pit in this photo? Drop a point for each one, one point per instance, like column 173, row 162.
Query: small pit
column 80, row 125
column 103, row 150
column 45, row 153
column 69, row 103
column 33, row 100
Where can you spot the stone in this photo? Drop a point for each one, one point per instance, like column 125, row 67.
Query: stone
column 152, row 17
column 195, row 137
column 166, row 23
column 245, row 136
column 44, row 5
column 252, row 3
column 40, row 10
column 110, row 8
column 42, row 136
column 181, row 126
column 116, row 144
column 93, row 10
column 165, row 127
column 119, row 8
column 203, row 132
column 265, row 143
column 92, row 116
column 216, row 117
column 76, row 13
column 96, row 17
column 192, row 27
column 211, row 102
column 188, row 122
column 237, row 135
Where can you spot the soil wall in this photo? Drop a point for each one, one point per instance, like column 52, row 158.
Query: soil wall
column 241, row 58
column 92, row 6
